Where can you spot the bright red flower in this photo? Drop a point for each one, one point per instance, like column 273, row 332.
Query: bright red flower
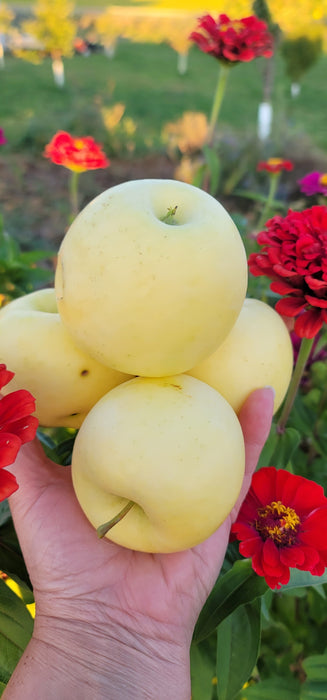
column 282, row 524
column 294, row 256
column 17, row 426
column 275, row 165
column 77, row 154
column 233, row 41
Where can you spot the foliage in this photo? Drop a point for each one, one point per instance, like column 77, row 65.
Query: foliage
column 6, row 18
column 53, row 27
column 300, row 54
column 19, row 272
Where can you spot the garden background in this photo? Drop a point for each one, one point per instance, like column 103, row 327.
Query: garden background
column 128, row 75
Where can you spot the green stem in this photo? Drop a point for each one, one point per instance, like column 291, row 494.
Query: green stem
column 74, row 194
column 305, row 349
column 274, row 178
column 169, row 217
column 103, row 529
column 217, row 102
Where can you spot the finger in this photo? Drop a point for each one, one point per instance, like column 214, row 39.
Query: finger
column 255, row 418
column 34, row 473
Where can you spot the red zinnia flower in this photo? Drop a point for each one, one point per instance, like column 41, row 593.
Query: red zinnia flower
column 77, row 154
column 17, row 426
column 233, row 41
column 3, row 139
column 282, row 524
column 294, row 256
column 275, row 165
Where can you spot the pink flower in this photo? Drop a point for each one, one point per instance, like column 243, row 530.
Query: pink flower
column 3, row 139
column 314, row 183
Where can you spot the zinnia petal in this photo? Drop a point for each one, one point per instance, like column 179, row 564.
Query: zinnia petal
column 9, row 448
column 308, row 324
column 291, row 306
column 14, row 406
column 8, row 484
column 5, row 376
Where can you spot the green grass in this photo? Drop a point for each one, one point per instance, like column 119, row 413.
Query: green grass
column 145, row 79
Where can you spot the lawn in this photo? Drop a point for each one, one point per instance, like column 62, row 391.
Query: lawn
column 145, row 79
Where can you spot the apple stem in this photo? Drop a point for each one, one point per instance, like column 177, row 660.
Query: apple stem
column 169, row 217
column 103, row 529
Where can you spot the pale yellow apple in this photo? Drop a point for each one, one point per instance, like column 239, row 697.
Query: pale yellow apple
column 171, row 445
column 63, row 379
column 257, row 352
column 145, row 296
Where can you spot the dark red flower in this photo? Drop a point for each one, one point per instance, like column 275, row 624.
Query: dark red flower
column 17, row 426
column 294, row 257
column 233, row 41
column 77, row 154
column 275, row 165
column 282, row 524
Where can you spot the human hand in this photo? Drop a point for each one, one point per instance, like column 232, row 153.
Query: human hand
column 100, row 605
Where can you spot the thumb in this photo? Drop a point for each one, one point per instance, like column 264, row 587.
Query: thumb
column 255, row 418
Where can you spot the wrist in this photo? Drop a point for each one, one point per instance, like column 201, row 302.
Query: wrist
column 74, row 659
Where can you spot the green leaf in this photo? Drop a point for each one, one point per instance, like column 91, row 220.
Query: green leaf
column 203, row 668
column 11, row 558
column 279, row 448
column 251, row 194
column 300, row 579
column 316, row 667
column 238, row 586
column 16, row 627
column 5, row 513
column 272, row 689
column 32, row 256
column 302, row 417
column 315, row 685
column 199, row 176
column 238, row 641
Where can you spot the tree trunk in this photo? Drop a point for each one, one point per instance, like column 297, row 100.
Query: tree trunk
column 2, row 53
column 58, row 71
column 182, row 62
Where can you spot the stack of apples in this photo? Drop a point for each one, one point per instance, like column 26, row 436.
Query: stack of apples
column 148, row 345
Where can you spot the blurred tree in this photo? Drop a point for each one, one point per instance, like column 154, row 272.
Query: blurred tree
column 54, row 29
column 6, row 18
column 299, row 54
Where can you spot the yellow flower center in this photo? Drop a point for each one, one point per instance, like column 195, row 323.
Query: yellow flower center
column 323, row 179
column 274, row 161
column 278, row 522
column 79, row 144
column 232, row 24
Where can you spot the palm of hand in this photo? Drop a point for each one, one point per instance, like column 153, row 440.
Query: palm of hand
column 72, row 570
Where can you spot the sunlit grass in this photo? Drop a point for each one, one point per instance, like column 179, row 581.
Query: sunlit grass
column 145, row 79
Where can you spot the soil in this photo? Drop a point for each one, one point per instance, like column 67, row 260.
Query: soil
column 34, row 194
